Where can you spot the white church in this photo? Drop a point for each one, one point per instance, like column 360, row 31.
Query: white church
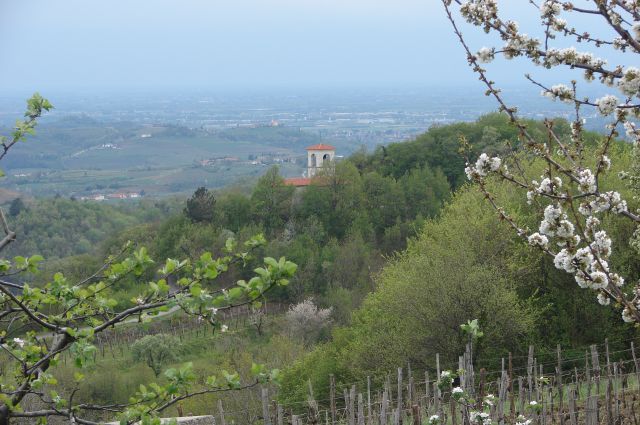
column 318, row 156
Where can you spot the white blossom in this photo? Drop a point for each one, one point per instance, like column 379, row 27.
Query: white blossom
column 552, row 212
column 564, row 261
column 607, row 104
column 591, row 223
column 485, row 55
column 550, row 8
column 615, row 17
column 306, row 320
column 599, row 280
column 601, row 243
column 489, row 400
column 586, row 181
column 470, row 172
column 224, row 328
column 558, row 24
column 619, row 43
column 549, row 225
column 636, row 30
column 629, row 84
column 559, row 91
column 521, row 420
column 616, row 279
column 631, row 131
column 536, row 239
column 565, row 229
column 603, row 299
column 570, row 56
column 549, row 186
column 583, row 258
column 483, row 166
column 19, row 342
column 626, row 315
column 581, row 279
column 479, row 11
column 609, row 201
column 479, row 418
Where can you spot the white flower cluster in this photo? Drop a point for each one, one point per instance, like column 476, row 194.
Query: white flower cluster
column 521, row 420
column 559, row 91
column 489, row 400
column 570, row 56
column 483, row 166
column 479, row 418
column 632, row 132
column 629, row 84
column 435, row 420
column 588, row 264
column 620, row 43
column 607, row 104
column 19, row 342
column 636, row 30
column 546, row 187
column 626, row 315
column 607, row 201
column 614, row 17
column 536, row 239
column 519, row 43
column 601, row 244
column 550, row 8
column 558, row 24
column 555, row 223
column 549, row 11
column 591, row 224
column 603, row 298
column 478, row 12
column 586, row 181
column 486, row 55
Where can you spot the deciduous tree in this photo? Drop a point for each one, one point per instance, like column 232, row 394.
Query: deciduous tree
column 576, row 208
column 40, row 323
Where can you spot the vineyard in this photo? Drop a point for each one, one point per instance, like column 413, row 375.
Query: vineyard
column 592, row 386
column 591, row 389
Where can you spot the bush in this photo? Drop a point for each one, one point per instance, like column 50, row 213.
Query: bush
column 156, row 351
column 306, row 321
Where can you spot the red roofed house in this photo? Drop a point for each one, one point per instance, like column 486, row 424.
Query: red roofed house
column 298, row 181
column 317, row 156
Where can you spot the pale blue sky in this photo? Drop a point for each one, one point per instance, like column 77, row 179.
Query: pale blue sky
column 151, row 44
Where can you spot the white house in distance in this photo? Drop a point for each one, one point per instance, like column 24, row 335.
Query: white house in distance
column 317, row 157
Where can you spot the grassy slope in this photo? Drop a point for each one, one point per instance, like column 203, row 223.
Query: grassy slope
column 115, row 375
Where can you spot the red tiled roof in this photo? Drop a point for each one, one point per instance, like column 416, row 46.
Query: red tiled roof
column 321, row 147
column 297, row 181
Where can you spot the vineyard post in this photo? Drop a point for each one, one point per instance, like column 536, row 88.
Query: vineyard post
column 560, row 389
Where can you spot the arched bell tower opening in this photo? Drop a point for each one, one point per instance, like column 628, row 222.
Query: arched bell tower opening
column 319, row 156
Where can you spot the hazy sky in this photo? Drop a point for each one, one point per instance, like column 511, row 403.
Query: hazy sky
column 150, row 44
